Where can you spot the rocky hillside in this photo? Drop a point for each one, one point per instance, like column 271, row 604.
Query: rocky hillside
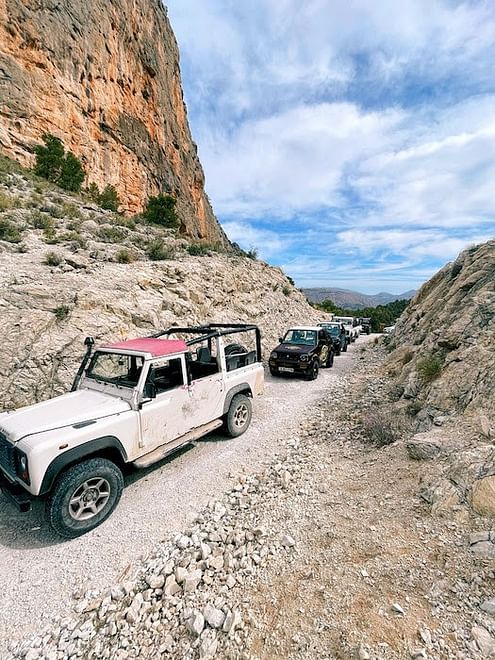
column 444, row 348
column 105, row 78
column 69, row 269
column 353, row 299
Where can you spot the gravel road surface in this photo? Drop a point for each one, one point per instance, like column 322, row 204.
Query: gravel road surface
column 39, row 572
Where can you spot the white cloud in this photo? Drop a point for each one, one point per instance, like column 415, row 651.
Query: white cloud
column 266, row 243
column 293, row 161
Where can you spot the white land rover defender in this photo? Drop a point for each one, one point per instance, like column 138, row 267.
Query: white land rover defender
column 131, row 402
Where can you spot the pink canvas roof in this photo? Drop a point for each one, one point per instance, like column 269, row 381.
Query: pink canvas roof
column 157, row 347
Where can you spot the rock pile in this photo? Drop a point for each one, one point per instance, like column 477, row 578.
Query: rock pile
column 179, row 601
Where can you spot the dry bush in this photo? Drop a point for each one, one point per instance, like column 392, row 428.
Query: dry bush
column 382, row 426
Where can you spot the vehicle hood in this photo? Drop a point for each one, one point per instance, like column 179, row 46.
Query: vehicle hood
column 60, row 412
column 294, row 349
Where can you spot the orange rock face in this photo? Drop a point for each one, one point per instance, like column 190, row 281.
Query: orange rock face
column 104, row 77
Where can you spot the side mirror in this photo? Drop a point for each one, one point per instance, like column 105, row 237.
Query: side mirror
column 280, row 339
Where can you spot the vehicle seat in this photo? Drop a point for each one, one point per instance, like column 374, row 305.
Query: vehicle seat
column 203, row 355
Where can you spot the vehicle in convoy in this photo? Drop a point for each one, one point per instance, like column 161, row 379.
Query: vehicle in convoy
column 338, row 335
column 132, row 402
column 351, row 327
column 365, row 323
column 388, row 329
column 302, row 351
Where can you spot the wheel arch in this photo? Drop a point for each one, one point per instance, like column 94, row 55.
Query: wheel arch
column 243, row 388
column 108, row 447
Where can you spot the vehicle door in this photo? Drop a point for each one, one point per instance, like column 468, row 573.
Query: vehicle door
column 207, row 383
column 166, row 410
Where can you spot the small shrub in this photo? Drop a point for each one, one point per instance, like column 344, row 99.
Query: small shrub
column 160, row 210
column 291, row 281
column 123, row 221
column 74, row 225
column 77, row 241
column 198, row 249
column 93, row 192
column 57, row 165
column 108, row 199
column 61, row 312
column 159, row 251
column 252, row 253
column 429, row 368
column 382, row 427
column 286, row 291
column 5, row 201
column 9, row 232
column 124, row 257
column 41, row 220
column 111, row 234
column 407, row 357
column 52, row 259
column 70, row 210
column 50, row 236
column 22, row 248
column 413, row 408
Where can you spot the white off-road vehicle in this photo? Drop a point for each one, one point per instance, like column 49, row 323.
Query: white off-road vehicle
column 131, row 402
column 351, row 325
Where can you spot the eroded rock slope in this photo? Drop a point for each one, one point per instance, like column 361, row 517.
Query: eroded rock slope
column 60, row 280
column 444, row 343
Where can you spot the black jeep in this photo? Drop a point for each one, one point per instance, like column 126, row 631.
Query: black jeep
column 338, row 335
column 302, row 351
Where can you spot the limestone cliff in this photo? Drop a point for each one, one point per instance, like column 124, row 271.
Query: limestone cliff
column 64, row 275
column 104, row 77
column 445, row 341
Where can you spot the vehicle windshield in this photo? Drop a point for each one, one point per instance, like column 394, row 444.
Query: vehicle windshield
column 346, row 320
column 304, row 337
column 115, row 368
column 332, row 329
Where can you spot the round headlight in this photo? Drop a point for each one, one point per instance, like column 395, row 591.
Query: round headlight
column 304, row 358
column 273, row 354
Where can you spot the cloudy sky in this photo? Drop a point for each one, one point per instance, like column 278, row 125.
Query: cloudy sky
column 350, row 142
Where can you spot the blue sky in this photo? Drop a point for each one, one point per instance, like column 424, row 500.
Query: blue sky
column 351, row 143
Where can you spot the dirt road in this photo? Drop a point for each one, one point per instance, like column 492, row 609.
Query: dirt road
column 39, row 572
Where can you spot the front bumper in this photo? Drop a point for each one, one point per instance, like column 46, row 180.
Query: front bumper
column 15, row 493
column 295, row 367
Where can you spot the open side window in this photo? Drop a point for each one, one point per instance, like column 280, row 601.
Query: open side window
column 203, row 360
column 165, row 376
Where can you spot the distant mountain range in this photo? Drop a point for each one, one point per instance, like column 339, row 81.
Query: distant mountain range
column 354, row 299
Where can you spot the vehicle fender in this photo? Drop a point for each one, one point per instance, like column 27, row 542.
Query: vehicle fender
column 243, row 388
column 76, row 454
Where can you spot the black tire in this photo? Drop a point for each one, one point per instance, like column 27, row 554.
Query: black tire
column 274, row 372
column 329, row 362
column 313, row 372
column 337, row 350
column 344, row 350
column 238, row 417
column 95, row 478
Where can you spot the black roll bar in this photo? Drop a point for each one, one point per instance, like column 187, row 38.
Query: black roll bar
column 213, row 330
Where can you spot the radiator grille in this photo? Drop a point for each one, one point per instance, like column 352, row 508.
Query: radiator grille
column 6, row 455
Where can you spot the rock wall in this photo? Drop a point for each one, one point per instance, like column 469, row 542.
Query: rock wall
column 104, row 77
column 449, row 330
